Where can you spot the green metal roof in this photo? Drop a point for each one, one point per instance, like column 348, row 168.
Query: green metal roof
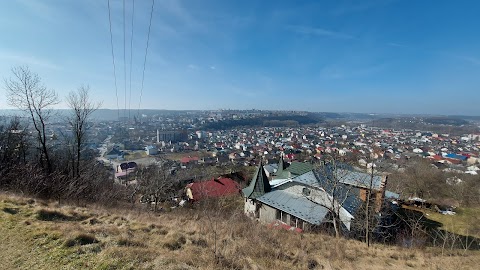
column 258, row 186
column 281, row 166
column 299, row 168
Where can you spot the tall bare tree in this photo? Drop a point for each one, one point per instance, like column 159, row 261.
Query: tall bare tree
column 26, row 92
column 156, row 183
column 330, row 176
column 82, row 108
column 13, row 143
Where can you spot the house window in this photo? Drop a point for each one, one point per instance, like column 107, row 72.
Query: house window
column 306, row 191
column 280, row 215
column 299, row 223
column 293, row 221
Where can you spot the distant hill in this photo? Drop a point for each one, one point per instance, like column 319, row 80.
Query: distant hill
column 266, row 121
column 446, row 121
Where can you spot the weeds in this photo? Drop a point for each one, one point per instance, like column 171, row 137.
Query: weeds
column 175, row 242
column 129, row 243
column 125, row 239
column 80, row 240
column 11, row 211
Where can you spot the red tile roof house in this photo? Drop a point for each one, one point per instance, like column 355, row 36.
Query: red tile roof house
column 213, row 188
column 187, row 160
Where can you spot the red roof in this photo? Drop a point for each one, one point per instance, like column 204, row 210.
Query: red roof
column 213, row 188
column 436, row 157
column 188, row 159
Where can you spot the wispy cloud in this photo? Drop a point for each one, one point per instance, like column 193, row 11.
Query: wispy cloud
column 360, row 6
column 314, row 31
column 22, row 59
column 471, row 60
column 192, row 66
column 458, row 56
column 342, row 72
column 394, row 44
column 182, row 14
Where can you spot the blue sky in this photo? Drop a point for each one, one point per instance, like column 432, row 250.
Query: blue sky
column 376, row 56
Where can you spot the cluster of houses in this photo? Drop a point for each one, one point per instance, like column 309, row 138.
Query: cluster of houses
column 299, row 196
column 362, row 144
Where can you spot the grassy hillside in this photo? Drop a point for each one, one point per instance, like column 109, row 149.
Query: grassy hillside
column 35, row 234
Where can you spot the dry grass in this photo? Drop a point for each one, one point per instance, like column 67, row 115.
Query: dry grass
column 465, row 222
column 97, row 238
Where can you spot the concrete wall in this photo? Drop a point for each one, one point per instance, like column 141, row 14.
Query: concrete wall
column 268, row 214
column 250, row 208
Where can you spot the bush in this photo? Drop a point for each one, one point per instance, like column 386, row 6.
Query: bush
column 129, row 243
column 81, row 240
column 11, row 211
column 52, row 215
column 175, row 242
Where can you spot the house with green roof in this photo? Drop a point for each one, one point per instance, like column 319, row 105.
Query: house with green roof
column 301, row 197
column 293, row 201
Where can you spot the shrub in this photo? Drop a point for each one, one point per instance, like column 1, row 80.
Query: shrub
column 81, row 240
column 9, row 210
column 51, row 215
column 175, row 242
column 129, row 243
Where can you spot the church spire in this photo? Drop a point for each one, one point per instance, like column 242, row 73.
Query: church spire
column 259, row 184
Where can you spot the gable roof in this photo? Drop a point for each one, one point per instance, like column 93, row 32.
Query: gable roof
column 295, row 205
column 280, row 166
column 185, row 160
column 299, row 168
column 213, row 188
column 258, row 186
column 359, row 179
column 349, row 196
column 114, row 152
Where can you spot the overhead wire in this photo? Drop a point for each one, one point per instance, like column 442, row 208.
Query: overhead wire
column 124, row 63
column 145, row 59
column 113, row 58
column 131, row 60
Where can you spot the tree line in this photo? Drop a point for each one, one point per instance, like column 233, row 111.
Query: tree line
column 35, row 164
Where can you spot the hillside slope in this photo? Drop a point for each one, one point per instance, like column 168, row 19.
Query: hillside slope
column 35, row 234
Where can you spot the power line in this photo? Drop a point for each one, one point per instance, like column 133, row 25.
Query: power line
column 145, row 59
column 124, row 63
column 131, row 59
column 113, row 59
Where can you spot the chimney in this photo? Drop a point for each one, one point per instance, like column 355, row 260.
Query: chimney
column 381, row 193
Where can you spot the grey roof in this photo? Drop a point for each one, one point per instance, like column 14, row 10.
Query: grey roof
column 271, row 168
column 359, row 179
column 348, row 195
column 295, row 205
column 391, row 195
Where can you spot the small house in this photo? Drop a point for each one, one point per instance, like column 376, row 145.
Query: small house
column 213, row 188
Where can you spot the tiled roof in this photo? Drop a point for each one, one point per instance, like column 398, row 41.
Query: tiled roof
column 213, row 188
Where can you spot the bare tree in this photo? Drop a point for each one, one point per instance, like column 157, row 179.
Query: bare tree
column 82, row 108
column 13, row 143
column 330, row 176
column 156, row 183
column 26, row 92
